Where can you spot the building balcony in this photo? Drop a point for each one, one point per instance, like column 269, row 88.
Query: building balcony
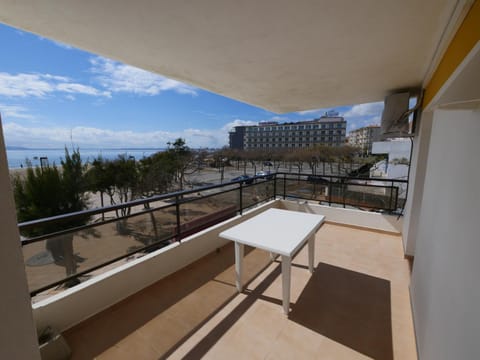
column 354, row 306
column 177, row 298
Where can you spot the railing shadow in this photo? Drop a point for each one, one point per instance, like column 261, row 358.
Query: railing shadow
column 348, row 307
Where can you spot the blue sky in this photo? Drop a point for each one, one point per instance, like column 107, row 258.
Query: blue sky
column 52, row 94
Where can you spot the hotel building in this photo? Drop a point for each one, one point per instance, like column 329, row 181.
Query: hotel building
column 328, row 130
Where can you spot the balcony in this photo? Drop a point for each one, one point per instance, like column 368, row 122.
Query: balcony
column 355, row 306
column 158, row 282
column 117, row 234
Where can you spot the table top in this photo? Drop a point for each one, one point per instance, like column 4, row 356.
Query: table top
column 280, row 231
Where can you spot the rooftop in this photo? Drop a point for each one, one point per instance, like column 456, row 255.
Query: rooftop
column 355, row 305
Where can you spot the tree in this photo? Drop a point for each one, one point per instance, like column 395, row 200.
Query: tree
column 125, row 177
column 183, row 159
column 155, row 174
column 97, row 179
column 117, row 178
column 46, row 192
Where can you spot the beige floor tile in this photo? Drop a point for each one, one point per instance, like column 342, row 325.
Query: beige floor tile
column 355, row 306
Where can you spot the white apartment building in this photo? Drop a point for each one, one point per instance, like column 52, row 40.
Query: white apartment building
column 364, row 137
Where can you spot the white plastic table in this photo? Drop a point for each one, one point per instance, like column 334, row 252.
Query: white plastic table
column 281, row 232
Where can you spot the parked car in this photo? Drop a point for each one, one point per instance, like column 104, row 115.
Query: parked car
column 264, row 175
column 245, row 179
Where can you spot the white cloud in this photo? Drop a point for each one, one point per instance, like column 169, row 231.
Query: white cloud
column 118, row 77
column 73, row 88
column 14, row 111
column 90, row 137
column 41, row 85
column 237, row 122
column 368, row 109
column 362, row 115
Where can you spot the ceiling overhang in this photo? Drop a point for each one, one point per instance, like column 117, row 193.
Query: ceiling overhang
column 279, row 55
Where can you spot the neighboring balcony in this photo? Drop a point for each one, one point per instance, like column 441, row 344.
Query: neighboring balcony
column 160, row 282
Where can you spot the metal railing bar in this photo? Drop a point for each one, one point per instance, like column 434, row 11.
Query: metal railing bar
column 89, row 226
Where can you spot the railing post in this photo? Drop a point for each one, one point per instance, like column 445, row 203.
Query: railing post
column 284, row 185
column 274, row 186
column 240, row 200
column 343, row 193
column 330, row 192
column 177, row 209
column 391, row 195
column 396, row 198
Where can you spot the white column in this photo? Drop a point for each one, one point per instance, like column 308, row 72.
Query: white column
column 18, row 337
column 418, row 168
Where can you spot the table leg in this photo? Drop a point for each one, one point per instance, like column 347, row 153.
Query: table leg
column 311, row 252
column 239, row 250
column 286, row 267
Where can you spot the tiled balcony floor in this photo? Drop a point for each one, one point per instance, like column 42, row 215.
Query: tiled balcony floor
column 355, row 306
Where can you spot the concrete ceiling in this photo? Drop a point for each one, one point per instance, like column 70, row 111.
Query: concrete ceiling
column 281, row 55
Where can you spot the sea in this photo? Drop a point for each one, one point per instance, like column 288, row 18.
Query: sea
column 17, row 158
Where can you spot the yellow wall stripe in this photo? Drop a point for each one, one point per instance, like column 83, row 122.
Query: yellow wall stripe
column 467, row 36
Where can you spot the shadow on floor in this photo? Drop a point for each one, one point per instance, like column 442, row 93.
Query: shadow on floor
column 184, row 289
column 348, row 307
column 208, row 341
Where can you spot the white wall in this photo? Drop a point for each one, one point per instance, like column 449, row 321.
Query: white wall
column 18, row 339
column 445, row 287
column 421, row 143
column 352, row 217
column 395, row 148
